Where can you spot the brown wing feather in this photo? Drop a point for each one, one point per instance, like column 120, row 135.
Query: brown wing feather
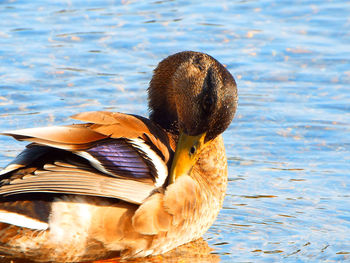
column 101, row 125
column 72, row 134
column 114, row 124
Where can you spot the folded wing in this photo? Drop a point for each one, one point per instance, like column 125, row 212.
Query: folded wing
column 115, row 155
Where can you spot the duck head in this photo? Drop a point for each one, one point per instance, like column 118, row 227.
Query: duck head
column 194, row 97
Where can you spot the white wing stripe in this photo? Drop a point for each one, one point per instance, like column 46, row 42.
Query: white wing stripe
column 21, row 220
column 162, row 170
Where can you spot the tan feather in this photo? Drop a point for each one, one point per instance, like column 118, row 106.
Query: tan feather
column 182, row 208
column 98, row 117
column 58, row 179
column 151, row 218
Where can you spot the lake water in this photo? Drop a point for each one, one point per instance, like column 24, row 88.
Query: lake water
column 288, row 197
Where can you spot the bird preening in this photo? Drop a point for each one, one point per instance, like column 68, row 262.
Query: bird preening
column 122, row 183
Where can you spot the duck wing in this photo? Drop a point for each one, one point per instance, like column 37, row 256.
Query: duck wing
column 115, row 155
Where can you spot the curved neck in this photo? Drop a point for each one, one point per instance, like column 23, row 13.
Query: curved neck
column 161, row 93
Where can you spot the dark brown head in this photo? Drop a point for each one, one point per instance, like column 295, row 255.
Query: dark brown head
column 193, row 93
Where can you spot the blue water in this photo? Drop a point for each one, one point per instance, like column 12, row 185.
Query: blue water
column 288, row 197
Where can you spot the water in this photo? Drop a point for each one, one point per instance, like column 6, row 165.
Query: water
column 288, row 147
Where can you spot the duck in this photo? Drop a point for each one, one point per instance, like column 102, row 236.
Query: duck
column 117, row 184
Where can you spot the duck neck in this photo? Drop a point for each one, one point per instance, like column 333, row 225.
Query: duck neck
column 165, row 118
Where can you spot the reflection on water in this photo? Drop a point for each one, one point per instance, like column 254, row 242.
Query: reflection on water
column 288, row 147
column 194, row 252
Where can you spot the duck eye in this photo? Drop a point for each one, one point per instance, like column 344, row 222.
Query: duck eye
column 193, row 150
column 207, row 103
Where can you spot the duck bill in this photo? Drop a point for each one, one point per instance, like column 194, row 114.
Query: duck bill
column 186, row 155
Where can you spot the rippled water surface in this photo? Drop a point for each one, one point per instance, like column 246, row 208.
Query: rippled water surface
column 288, row 197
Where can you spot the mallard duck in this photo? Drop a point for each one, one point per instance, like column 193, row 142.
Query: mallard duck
column 122, row 184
